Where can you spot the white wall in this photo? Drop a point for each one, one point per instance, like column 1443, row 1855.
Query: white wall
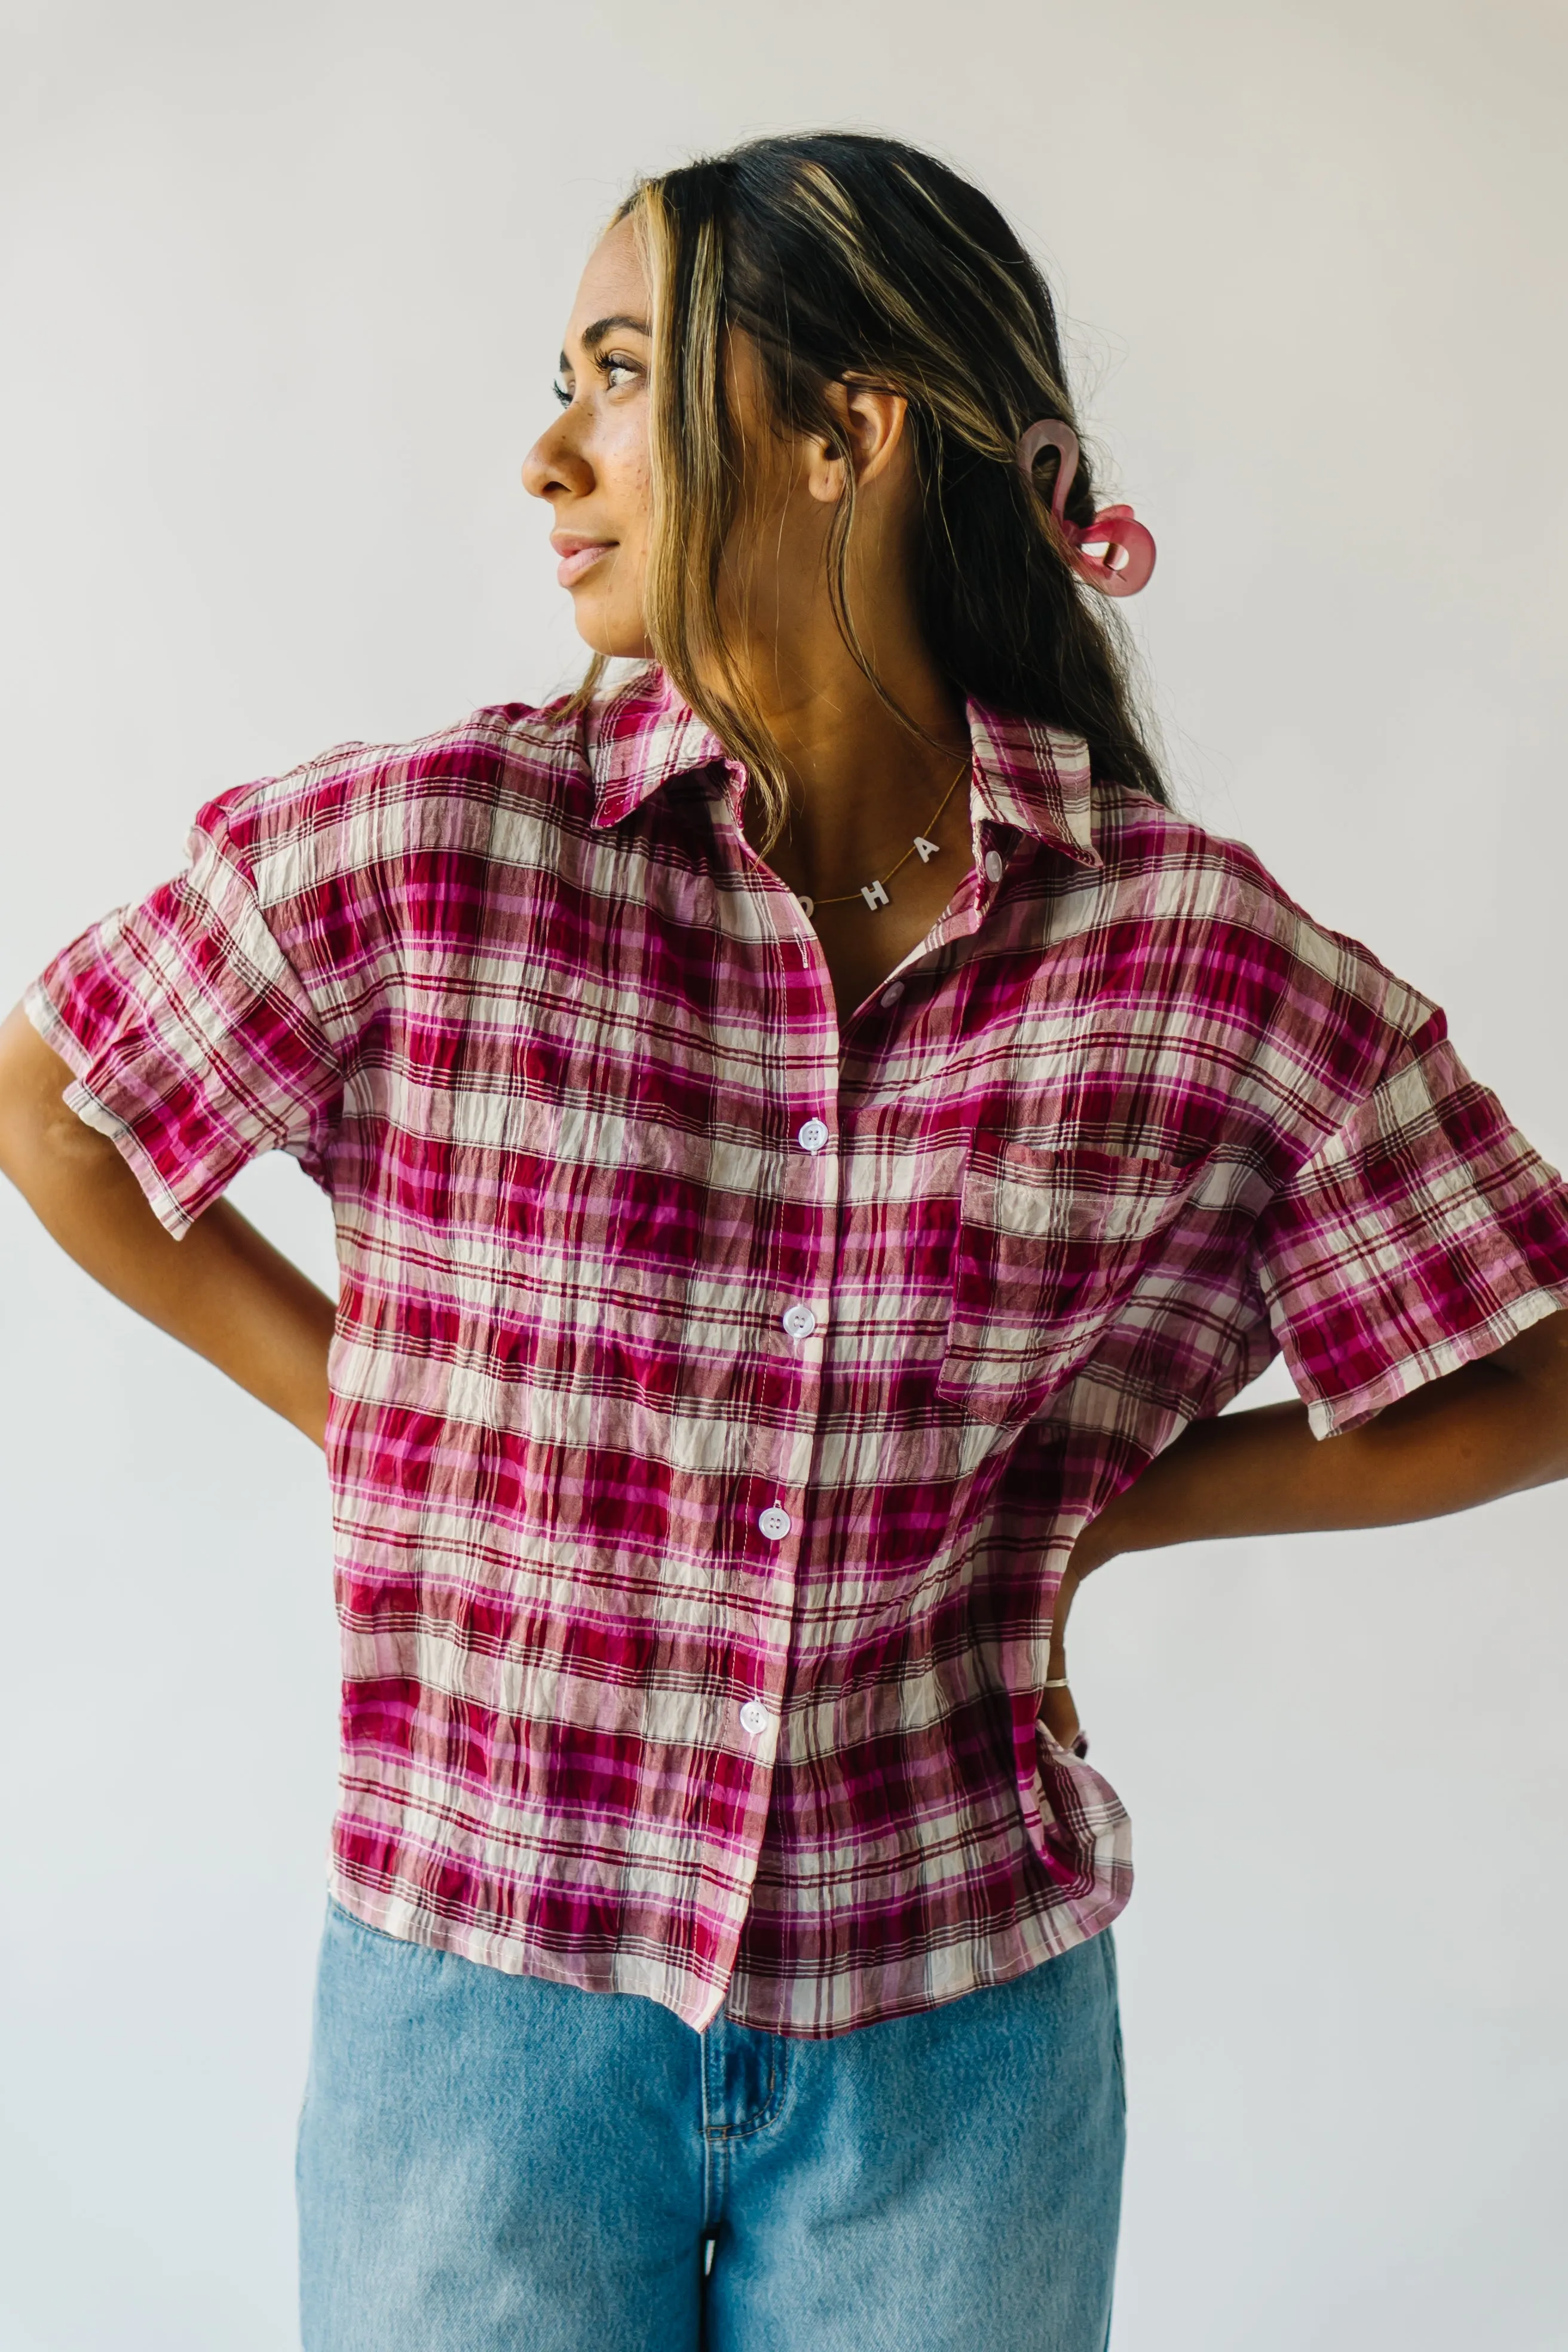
column 282, row 289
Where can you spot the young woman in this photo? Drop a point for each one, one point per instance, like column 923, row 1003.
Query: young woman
column 815, row 1140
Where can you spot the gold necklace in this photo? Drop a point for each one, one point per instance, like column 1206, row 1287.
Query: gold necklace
column 874, row 892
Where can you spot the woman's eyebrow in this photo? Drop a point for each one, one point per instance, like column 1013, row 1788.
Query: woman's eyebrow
column 603, row 327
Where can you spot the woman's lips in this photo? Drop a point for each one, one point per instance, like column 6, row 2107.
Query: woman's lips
column 581, row 558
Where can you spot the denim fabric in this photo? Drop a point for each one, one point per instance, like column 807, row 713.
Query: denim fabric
column 492, row 2161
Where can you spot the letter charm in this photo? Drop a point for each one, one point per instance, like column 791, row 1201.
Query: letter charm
column 874, row 895
column 928, row 849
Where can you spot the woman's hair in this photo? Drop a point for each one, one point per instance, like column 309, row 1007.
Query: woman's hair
column 846, row 255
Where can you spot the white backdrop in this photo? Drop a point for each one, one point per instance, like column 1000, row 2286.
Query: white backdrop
column 281, row 288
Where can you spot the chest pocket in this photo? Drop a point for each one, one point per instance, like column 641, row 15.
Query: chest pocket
column 1050, row 1246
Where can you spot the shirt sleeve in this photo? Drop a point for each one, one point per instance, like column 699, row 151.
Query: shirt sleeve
column 193, row 1041
column 1422, row 1232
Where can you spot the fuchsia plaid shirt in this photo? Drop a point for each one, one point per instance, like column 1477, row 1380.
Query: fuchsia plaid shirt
column 718, row 1391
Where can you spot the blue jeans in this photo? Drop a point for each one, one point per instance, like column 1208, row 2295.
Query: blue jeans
column 492, row 2161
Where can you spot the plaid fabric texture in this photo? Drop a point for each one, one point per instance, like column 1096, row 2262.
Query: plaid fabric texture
column 718, row 1388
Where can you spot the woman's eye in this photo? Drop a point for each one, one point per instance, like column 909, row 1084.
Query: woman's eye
column 615, row 371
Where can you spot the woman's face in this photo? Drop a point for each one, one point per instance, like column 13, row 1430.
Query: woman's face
column 591, row 464
column 593, row 467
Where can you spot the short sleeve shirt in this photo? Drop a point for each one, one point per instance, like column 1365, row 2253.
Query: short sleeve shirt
column 721, row 1380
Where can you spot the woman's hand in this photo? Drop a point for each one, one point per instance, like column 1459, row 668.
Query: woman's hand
column 224, row 1290
column 1493, row 1428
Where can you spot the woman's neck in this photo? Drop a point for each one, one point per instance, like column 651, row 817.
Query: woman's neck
column 860, row 783
column 862, row 787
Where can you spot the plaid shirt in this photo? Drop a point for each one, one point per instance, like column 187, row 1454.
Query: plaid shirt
column 717, row 1390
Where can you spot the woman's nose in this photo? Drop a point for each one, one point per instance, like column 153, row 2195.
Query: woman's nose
column 555, row 463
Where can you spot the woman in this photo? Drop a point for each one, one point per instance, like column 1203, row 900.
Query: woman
column 815, row 1140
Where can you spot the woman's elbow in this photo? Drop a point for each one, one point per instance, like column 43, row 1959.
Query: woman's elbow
column 37, row 1128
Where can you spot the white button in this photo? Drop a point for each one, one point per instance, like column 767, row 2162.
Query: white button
column 812, row 1136
column 773, row 1522
column 754, row 1717
column 993, row 866
column 799, row 1322
column 890, row 994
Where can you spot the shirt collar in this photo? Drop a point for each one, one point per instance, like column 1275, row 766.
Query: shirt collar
column 640, row 737
column 1036, row 779
column 1027, row 775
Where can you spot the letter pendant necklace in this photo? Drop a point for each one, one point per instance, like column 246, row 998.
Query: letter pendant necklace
column 875, row 893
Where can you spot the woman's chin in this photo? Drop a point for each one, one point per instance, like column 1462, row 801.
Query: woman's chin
column 605, row 632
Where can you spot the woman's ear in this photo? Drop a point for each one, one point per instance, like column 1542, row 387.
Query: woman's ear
column 872, row 422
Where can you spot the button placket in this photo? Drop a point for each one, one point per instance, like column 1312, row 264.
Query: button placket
column 787, row 1394
column 796, row 1266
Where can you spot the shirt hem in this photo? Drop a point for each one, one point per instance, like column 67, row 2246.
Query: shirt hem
column 1038, row 1938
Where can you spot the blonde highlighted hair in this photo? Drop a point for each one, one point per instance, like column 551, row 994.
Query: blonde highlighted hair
column 844, row 255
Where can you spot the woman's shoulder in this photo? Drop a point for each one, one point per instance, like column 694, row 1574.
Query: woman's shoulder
column 1245, row 945
column 359, row 804
column 1164, row 849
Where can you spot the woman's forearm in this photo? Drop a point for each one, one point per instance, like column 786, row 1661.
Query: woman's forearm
column 1491, row 1429
column 1495, row 1426
column 224, row 1290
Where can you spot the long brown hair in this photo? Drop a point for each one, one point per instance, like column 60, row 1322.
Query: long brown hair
column 846, row 256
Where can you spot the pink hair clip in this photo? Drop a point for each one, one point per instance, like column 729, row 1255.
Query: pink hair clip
column 1129, row 557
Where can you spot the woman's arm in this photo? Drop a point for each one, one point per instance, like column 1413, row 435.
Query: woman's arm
column 224, row 1290
column 1495, row 1427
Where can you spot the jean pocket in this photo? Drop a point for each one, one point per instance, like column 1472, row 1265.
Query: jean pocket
column 1051, row 1245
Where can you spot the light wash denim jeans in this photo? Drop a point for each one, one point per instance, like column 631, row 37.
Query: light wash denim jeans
column 491, row 2161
